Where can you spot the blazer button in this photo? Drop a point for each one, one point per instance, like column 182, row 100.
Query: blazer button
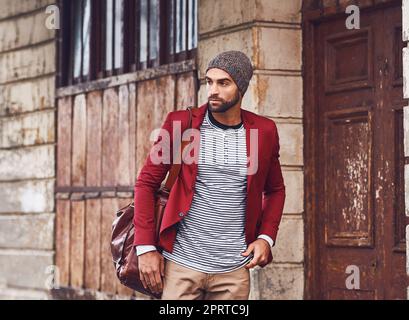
column 181, row 214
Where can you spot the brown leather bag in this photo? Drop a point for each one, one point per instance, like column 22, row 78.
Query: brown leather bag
column 122, row 248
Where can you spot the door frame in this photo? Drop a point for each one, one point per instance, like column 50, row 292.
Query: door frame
column 310, row 20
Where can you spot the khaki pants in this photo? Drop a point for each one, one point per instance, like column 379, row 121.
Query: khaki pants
column 181, row 283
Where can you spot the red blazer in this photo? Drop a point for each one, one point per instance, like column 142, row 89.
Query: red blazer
column 265, row 188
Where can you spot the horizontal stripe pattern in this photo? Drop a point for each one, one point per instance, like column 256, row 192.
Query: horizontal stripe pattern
column 211, row 236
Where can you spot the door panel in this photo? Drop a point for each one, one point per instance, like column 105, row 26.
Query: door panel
column 348, row 207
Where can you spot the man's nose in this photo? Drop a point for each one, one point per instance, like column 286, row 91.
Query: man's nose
column 213, row 90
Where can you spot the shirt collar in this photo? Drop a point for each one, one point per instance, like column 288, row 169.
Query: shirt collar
column 221, row 125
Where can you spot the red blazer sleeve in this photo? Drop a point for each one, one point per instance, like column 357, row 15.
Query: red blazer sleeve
column 146, row 185
column 274, row 193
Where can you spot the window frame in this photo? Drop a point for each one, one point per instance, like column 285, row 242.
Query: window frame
column 131, row 54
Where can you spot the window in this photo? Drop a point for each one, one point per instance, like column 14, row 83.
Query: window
column 102, row 38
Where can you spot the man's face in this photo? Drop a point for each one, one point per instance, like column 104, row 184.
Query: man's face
column 222, row 91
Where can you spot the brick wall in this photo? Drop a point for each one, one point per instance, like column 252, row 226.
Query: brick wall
column 27, row 143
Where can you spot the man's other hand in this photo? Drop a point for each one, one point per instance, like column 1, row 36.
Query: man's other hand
column 261, row 249
column 151, row 270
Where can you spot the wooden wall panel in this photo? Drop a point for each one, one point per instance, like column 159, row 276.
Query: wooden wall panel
column 144, row 120
column 64, row 141
column 62, row 241
column 185, row 90
column 156, row 98
column 93, row 244
column 132, row 130
column 94, row 139
column 93, row 179
column 165, row 99
column 79, row 126
column 77, row 244
column 108, row 277
column 110, row 131
column 124, row 134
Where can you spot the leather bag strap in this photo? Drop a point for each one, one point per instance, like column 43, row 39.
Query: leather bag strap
column 175, row 169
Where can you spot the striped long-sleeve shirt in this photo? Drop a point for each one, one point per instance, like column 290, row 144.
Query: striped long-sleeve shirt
column 211, row 237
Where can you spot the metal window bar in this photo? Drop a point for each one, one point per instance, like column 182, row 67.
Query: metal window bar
column 194, row 32
column 70, row 57
column 143, row 34
column 192, row 29
column 136, row 45
column 180, row 28
column 109, row 33
column 64, row 39
column 95, row 40
column 129, row 40
column 171, row 14
column 118, row 44
column 76, row 44
column 154, row 33
column 148, row 14
column 85, row 38
column 185, row 38
column 166, row 32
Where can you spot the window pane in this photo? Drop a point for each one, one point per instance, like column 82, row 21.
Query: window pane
column 143, row 31
column 192, row 24
column 108, row 34
column 77, row 38
column 86, row 33
column 119, row 26
column 154, row 29
column 180, row 26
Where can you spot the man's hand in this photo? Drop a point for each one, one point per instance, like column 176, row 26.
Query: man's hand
column 261, row 249
column 151, row 270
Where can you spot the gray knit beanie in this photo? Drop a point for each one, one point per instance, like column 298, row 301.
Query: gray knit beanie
column 237, row 65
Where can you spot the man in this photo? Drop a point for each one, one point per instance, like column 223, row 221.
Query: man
column 221, row 218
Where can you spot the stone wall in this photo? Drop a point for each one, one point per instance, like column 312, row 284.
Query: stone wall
column 269, row 32
column 27, row 143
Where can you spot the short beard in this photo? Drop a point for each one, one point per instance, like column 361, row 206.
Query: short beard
column 226, row 105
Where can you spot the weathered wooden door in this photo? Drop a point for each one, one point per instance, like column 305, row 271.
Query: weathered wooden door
column 360, row 220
